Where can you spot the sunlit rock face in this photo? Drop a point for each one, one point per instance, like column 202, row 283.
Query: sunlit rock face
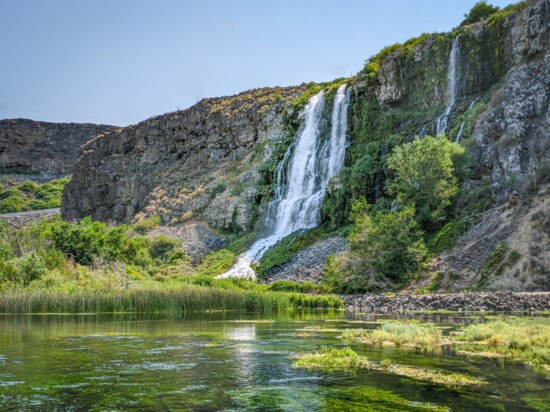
column 201, row 162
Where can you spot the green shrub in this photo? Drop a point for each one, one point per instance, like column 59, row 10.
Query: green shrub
column 146, row 225
column 384, row 248
column 28, row 268
column 216, row 263
column 12, row 204
column 219, row 188
column 82, row 241
column 136, row 252
column 163, row 246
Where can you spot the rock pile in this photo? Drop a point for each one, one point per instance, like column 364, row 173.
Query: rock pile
column 461, row 302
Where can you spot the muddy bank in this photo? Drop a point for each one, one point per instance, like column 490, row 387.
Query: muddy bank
column 461, row 302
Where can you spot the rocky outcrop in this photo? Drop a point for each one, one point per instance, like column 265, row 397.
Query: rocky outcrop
column 201, row 162
column 511, row 150
column 42, row 148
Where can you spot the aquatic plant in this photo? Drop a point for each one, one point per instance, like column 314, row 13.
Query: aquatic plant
column 346, row 359
column 399, row 334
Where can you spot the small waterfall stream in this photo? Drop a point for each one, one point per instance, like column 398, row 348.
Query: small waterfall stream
column 452, row 82
column 461, row 129
column 302, row 176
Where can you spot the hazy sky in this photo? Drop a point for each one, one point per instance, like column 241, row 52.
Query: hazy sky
column 122, row 61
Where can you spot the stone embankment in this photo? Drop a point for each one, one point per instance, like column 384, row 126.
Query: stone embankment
column 21, row 219
column 461, row 302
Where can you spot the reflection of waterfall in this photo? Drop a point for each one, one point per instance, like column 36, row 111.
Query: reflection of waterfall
column 461, row 130
column 306, row 168
column 240, row 333
column 452, row 80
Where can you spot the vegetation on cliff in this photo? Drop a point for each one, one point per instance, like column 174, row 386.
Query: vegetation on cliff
column 30, row 195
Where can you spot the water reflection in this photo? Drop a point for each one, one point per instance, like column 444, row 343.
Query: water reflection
column 233, row 362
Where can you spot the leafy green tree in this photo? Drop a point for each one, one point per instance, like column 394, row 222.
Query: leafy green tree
column 425, row 176
column 82, row 240
column 385, row 249
column 481, row 10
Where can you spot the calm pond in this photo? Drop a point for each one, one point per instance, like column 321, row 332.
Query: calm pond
column 234, row 362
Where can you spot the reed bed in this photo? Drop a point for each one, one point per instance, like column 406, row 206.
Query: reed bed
column 182, row 300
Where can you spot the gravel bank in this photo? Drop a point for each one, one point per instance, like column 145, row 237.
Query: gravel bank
column 21, row 219
column 461, row 302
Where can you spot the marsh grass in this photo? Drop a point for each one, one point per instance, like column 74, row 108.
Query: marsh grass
column 398, row 334
column 346, row 359
column 526, row 339
column 328, row 358
column 153, row 300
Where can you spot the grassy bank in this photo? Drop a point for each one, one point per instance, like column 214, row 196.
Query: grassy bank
column 73, row 267
column 184, row 299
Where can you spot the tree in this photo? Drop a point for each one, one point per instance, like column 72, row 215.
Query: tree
column 425, row 177
column 385, row 248
column 481, row 10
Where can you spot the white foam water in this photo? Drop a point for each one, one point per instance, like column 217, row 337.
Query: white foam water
column 302, row 176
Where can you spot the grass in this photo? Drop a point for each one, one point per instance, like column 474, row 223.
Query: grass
column 301, row 287
column 525, row 339
column 346, row 359
column 329, row 358
column 398, row 334
column 186, row 298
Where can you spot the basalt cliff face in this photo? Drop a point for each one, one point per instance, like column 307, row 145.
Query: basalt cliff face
column 200, row 163
column 205, row 163
column 42, row 148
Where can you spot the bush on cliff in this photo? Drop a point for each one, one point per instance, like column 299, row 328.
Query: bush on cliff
column 481, row 10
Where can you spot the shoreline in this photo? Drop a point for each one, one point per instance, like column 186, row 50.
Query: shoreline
column 458, row 302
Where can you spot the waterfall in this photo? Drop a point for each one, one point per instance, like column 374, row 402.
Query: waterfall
column 452, row 80
column 461, row 130
column 302, row 177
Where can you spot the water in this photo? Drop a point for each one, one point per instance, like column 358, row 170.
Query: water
column 231, row 362
column 452, row 81
column 302, row 176
column 461, row 129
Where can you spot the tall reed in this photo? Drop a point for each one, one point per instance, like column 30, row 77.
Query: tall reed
column 184, row 299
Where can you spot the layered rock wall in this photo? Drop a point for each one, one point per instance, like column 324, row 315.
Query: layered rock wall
column 42, row 148
column 197, row 163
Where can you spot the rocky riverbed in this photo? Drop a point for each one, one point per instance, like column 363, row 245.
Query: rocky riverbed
column 461, row 302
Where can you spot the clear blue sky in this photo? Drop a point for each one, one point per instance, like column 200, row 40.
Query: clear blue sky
column 122, row 61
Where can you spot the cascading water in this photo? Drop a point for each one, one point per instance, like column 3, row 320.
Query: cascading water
column 452, row 81
column 461, row 129
column 306, row 168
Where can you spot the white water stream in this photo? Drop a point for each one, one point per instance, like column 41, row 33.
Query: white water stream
column 452, row 81
column 302, row 177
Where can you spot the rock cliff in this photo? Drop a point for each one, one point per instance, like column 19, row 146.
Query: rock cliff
column 42, row 148
column 197, row 163
column 204, row 163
